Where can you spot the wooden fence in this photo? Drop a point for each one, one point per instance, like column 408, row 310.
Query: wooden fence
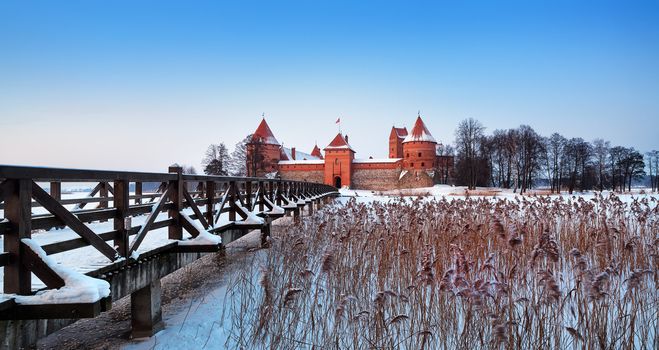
column 208, row 197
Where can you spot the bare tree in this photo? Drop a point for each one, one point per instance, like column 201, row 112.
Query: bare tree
column 216, row 160
column 238, row 165
column 600, row 156
column 472, row 165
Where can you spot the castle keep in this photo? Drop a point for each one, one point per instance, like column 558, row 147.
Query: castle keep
column 413, row 161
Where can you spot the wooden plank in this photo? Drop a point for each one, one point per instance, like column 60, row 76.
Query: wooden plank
column 55, row 311
column 81, row 175
column 195, row 209
column 206, row 248
column 149, row 221
column 72, row 221
column 17, row 278
column 4, row 258
column 45, row 273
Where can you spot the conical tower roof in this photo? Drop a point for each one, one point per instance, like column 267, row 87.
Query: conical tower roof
column 419, row 133
column 316, row 152
column 339, row 142
column 263, row 134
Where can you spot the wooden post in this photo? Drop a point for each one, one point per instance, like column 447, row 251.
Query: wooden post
column 271, row 191
column 56, row 190
column 279, row 194
column 261, row 198
column 104, row 193
column 232, row 200
column 176, row 196
column 18, row 210
column 122, row 204
column 138, row 192
column 248, row 195
column 210, row 202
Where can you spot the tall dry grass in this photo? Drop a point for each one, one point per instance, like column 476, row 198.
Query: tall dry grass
column 533, row 273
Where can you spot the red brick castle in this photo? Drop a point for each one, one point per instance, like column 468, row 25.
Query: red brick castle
column 413, row 161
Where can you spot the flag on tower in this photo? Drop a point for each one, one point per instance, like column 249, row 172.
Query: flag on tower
column 338, row 120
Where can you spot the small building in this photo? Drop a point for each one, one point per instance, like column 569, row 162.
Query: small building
column 413, row 161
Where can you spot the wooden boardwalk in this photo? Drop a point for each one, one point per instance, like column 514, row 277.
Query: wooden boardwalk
column 225, row 206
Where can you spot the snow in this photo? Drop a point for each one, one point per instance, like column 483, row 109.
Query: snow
column 204, row 238
column 298, row 155
column 78, row 288
column 402, row 173
column 252, row 219
column 301, row 162
column 275, row 208
column 379, row 160
column 423, row 137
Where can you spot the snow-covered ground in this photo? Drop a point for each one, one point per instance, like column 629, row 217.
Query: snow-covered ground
column 460, row 192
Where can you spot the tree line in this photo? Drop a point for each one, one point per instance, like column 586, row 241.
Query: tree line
column 520, row 159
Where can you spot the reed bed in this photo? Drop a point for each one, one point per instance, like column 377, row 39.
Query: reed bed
column 530, row 273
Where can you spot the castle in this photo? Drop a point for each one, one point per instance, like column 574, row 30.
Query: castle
column 413, row 161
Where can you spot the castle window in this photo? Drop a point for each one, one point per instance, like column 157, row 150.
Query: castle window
column 408, row 155
column 419, row 154
column 411, row 164
column 422, row 164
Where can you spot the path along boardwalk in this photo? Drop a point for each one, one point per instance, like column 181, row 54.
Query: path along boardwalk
column 115, row 242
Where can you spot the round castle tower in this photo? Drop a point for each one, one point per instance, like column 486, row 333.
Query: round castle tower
column 419, row 148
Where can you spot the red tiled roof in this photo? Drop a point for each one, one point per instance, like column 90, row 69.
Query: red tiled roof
column 339, row 142
column 316, row 152
column 419, row 133
column 263, row 134
column 400, row 132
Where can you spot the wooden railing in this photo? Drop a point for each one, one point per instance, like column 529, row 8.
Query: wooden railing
column 207, row 196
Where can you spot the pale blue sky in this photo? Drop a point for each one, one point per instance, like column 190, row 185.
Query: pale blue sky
column 165, row 79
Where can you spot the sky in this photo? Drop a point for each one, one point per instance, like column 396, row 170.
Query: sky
column 138, row 85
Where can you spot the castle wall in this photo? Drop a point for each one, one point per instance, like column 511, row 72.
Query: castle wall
column 415, row 178
column 378, row 179
column 302, row 172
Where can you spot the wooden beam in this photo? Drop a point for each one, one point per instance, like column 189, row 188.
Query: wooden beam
column 225, row 197
column 195, row 208
column 45, row 273
column 122, row 204
column 149, row 221
column 56, row 311
column 73, row 222
column 5, row 189
column 210, row 202
column 4, row 258
column 188, row 226
column 176, row 196
column 90, row 195
column 17, row 278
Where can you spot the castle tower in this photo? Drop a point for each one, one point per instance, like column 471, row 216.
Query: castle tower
column 316, row 152
column 419, row 148
column 396, row 138
column 263, row 152
column 338, row 162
